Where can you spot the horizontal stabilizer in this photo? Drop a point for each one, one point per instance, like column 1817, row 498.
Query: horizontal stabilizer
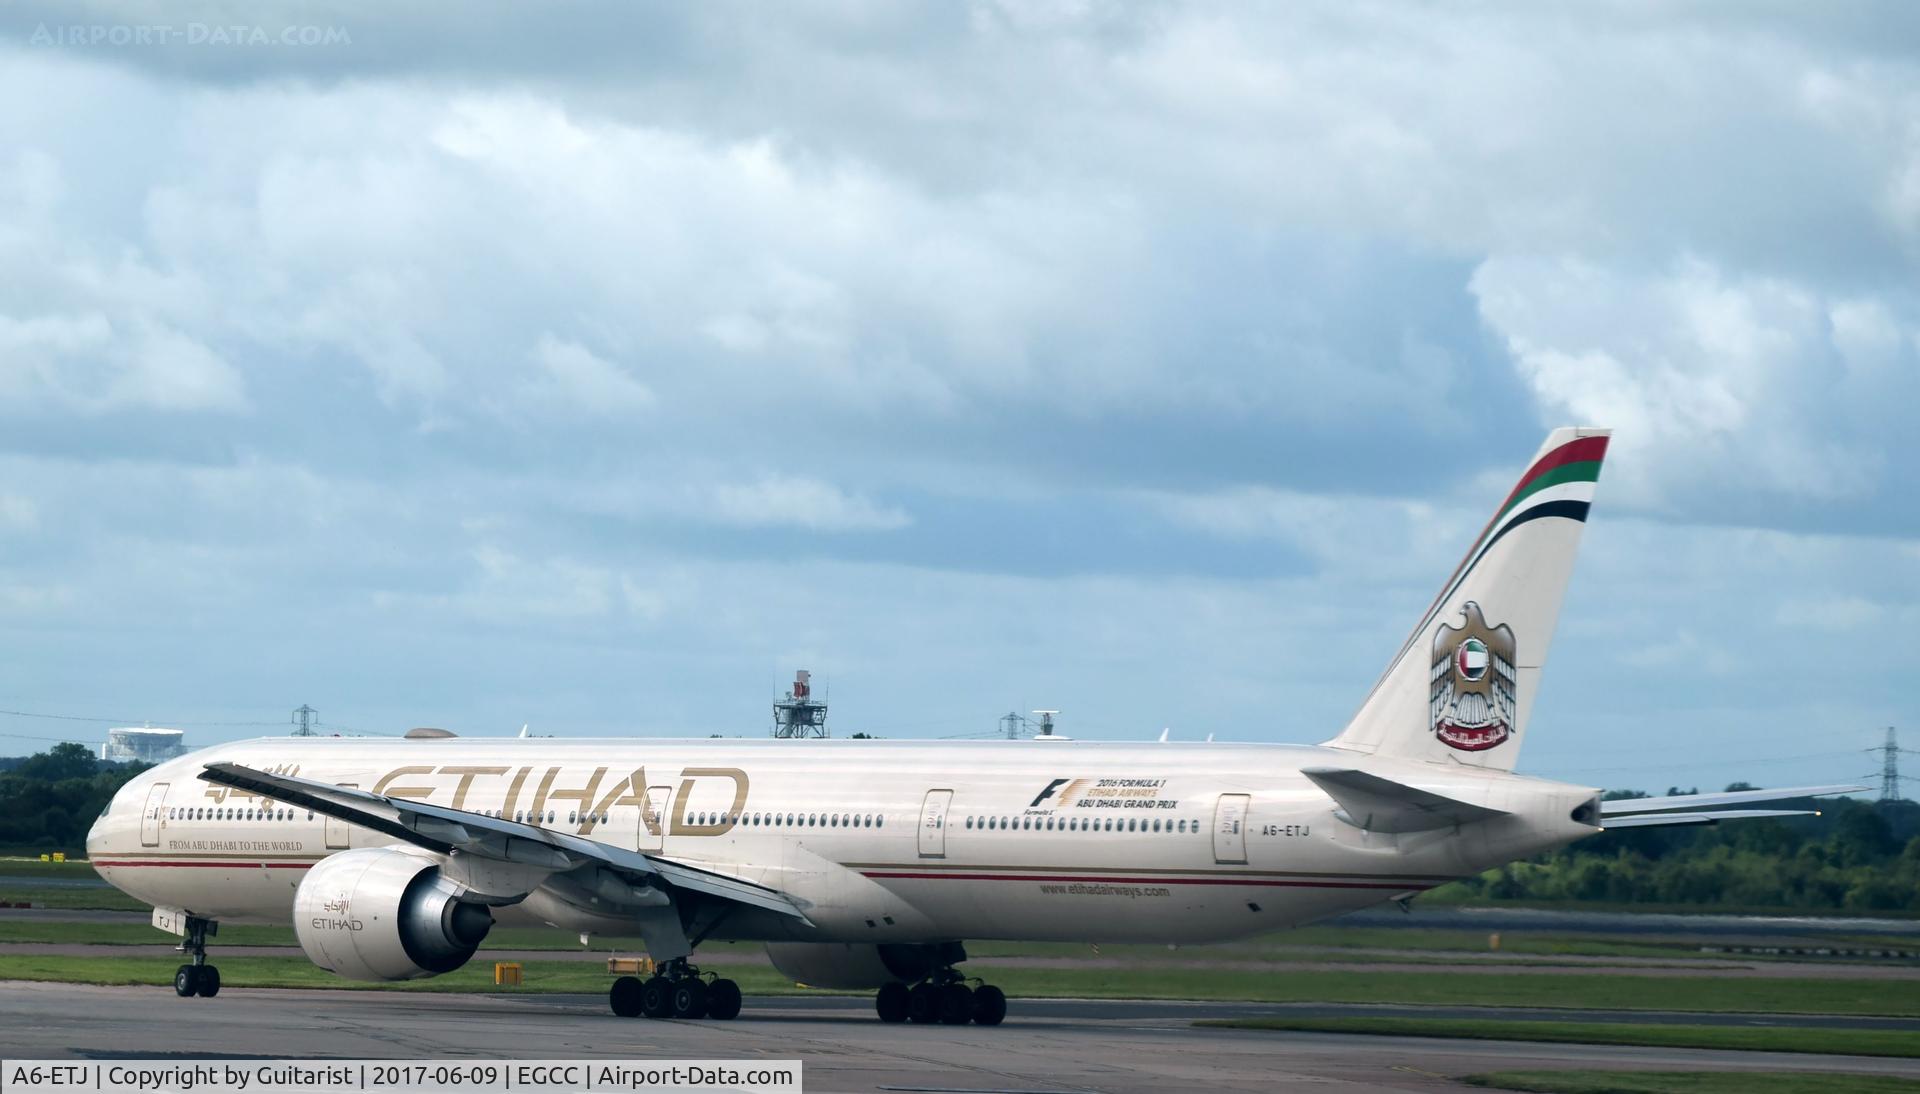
column 1670, row 820
column 1382, row 805
column 1625, row 806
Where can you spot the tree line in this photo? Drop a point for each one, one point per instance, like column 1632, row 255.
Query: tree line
column 49, row 800
column 1857, row 857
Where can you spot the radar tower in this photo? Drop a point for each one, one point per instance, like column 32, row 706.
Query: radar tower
column 800, row 714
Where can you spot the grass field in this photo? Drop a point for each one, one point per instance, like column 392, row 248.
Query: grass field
column 100, row 899
column 1600, row 992
column 33, row 867
column 1844, row 1042
column 1692, row 1082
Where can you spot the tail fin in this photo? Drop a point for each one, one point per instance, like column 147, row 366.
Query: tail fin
column 1462, row 685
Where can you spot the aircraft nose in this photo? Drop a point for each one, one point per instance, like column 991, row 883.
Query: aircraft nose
column 97, row 836
column 100, row 833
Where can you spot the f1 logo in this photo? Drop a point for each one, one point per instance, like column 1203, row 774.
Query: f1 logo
column 1047, row 793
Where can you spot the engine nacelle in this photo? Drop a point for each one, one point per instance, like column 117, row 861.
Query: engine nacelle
column 854, row 966
column 376, row 913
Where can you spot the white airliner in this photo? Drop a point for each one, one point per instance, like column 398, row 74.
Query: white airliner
column 866, row 864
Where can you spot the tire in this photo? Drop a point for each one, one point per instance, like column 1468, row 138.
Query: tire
column 891, row 1002
column 989, row 1005
column 723, row 1000
column 689, row 998
column 209, row 985
column 656, row 997
column 956, row 1005
column 186, row 981
column 624, row 996
column 923, row 1004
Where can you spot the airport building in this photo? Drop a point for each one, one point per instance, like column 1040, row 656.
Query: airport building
column 143, row 745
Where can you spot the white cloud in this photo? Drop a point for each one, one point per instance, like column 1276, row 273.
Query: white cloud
column 18, row 514
column 1714, row 382
column 84, row 364
column 573, row 377
column 1202, row 286
column 801, row 502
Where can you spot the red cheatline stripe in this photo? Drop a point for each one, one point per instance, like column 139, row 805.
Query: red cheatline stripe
column 1398, row 886
column 210, row 865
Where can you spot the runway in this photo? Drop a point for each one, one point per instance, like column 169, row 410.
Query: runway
column 1114, row 1047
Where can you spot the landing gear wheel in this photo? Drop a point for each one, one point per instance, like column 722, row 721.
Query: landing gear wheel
column 656, row 997
column 989, row 1005
column 891, row 1002
column 723, row 1000
column 923, row 1003
column 689, row 998
column 197, row 977
column 956, row 1005
column 624, row 996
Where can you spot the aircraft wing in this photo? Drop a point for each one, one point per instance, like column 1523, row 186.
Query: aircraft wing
column 1682, row 809
column 446, row 831
column 1382, row 805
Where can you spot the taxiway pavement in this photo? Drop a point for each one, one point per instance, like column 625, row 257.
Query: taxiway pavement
column 1117, row 1047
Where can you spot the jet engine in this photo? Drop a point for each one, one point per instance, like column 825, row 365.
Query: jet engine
column 854, row 966
column 378, row 913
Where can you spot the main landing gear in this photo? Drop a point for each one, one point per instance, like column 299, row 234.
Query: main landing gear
column 197, row 977
column 943, row 997
column 678, row 990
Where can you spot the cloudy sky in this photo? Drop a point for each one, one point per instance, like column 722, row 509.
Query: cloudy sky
column 596, row 366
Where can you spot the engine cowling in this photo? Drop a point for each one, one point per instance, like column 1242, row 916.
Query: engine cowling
column 376, row 913
column 857, row 966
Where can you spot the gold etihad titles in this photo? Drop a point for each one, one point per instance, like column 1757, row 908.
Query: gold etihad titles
column 532, row 790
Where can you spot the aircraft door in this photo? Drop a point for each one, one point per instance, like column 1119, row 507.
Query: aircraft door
column 933, row 824
column 1230, row 829
column 150, row 818
column 339, row 833
column 654, row 819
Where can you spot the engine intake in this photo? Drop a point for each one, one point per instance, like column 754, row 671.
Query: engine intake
column 377, row 913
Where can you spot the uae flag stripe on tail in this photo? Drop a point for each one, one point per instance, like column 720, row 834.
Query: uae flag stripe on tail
column 1559, row 484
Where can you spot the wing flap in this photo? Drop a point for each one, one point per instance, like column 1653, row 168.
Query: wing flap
column 438, row 828
column 1382, row 805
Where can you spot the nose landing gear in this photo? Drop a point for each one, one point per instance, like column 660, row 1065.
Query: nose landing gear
column 197, row 977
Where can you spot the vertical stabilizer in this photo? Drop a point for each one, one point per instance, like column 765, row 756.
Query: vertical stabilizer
column 1462, row 685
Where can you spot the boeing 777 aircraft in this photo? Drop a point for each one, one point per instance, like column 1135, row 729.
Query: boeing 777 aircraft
column 867, row 864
